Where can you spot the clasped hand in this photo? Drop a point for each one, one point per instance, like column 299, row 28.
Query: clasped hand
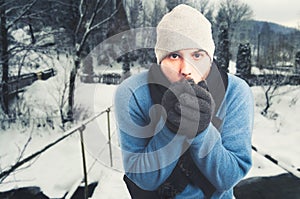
column 189, row 107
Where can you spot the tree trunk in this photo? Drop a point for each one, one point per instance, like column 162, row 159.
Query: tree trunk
column 4, row 56
column 268, row 103
column 72, row 89
column 33, row 40
column 118, row 23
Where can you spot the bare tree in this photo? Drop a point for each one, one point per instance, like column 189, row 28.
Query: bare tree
column 134, row 10
column 297, row 63
column 172, row 3
column 276, row 73
column 269, row 92
column 204, row 6
column 60, row 92
column 4, row 172
column 234, row 12
column 90, row 19
column 230, row 13
column 18, row 15
column 272, row 90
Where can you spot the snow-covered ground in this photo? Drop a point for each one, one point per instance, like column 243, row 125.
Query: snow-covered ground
column 60, row 168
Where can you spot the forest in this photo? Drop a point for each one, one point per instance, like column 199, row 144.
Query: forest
column 33, row 32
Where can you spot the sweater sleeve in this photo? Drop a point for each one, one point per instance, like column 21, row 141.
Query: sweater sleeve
column 225, row 157
column 149, row 150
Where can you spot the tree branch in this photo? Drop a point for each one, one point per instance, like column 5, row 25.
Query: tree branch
column 94, row 27
column 82, row 14
column 25, row 10
column 21, row 154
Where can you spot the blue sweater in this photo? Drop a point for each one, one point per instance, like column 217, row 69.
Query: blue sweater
column 150, row 150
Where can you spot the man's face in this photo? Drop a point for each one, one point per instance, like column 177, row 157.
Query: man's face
column 189, row 64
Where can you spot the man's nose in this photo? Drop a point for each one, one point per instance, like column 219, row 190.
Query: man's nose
column 186, row 68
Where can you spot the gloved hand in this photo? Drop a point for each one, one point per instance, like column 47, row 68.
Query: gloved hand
column 189, row 107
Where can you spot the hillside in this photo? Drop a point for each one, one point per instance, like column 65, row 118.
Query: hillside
column 276, row 28
column 266, row 36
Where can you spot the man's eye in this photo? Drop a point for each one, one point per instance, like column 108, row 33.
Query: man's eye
column 197, row 55
column 174, row 56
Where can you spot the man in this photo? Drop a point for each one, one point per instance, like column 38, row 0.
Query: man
column 184, row 126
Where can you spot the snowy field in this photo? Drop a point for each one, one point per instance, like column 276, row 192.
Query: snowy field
column 60, row 168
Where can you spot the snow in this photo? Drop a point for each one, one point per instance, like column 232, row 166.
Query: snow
column 257, row 71
column 30, row 60
column 278, row 136
column 232, row 68
column 60, row 168
column 21, row 35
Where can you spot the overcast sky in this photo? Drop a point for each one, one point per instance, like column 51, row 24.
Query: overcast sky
column 285, row 12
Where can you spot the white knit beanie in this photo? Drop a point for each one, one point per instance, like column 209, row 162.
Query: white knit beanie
column 183, row 28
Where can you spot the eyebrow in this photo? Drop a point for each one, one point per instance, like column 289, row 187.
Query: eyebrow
column 178, row 52
column 196, row 51
column 200, row 50
column 174, row 52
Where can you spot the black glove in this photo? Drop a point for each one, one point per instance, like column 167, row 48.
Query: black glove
column 189, row 107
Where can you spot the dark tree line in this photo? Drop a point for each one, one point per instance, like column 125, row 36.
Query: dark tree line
column 243, row 60
column 15, row 15
column 230, row 14
column 78, row 26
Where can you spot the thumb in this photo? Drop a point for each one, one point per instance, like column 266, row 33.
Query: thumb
column 203, row 85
